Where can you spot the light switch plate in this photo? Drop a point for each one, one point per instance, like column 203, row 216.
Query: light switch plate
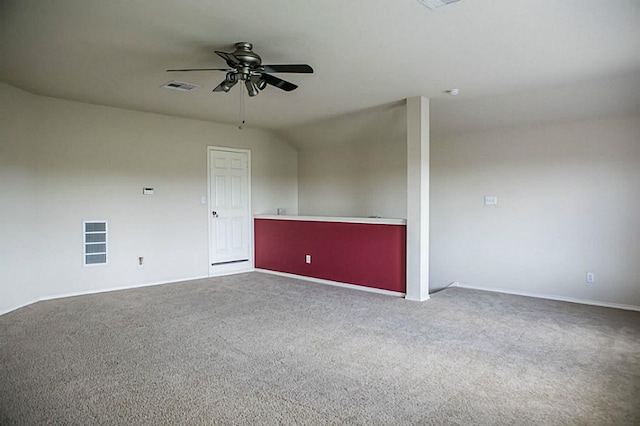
column 490, row 200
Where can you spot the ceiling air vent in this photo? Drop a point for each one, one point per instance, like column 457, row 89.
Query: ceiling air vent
column 180, row 85
column 434, row 4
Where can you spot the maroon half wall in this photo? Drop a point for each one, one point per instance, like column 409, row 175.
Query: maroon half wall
column 371, row 255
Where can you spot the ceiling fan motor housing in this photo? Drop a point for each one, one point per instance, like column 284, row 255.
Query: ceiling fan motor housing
column 246, row 56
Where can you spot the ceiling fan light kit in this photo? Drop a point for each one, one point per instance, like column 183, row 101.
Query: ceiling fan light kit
column 246, row 65
column 252, row 88
column 229, row 81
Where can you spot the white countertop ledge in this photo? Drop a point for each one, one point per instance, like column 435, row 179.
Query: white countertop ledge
column 368, row 220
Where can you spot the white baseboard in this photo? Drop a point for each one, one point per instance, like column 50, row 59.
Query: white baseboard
column 549, row 297
column 101, row 290
column 333, row 283
column 22, row 305
column 411, row 299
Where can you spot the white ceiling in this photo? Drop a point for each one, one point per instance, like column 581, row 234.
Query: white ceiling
column 365, row 54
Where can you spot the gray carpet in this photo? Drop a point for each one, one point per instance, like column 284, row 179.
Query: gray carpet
column 260, row 349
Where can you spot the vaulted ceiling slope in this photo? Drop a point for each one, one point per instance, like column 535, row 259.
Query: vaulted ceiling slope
column 365, row 53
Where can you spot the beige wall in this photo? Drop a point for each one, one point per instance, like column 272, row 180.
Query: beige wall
column 18, row 198
column 354, row 165
column 568, row 196
column 568, row 203
column 64, row 162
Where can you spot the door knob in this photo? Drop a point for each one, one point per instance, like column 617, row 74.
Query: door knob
column 215, row 214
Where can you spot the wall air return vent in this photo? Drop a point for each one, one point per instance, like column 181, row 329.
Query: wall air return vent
column 95, row 243
column 180, row 85
column 434, row 4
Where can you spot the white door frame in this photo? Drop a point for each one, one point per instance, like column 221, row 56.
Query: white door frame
column 231, row 268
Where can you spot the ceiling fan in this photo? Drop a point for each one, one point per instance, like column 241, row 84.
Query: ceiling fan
column 245, row 65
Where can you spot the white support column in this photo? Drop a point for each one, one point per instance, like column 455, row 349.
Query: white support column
column 417, row 199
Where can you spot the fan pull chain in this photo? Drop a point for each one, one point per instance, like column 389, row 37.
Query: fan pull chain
column 241, row 118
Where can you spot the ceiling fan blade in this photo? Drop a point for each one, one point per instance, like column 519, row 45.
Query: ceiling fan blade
column 298, row 68
column 200, row 69
column 231, row 60
column 279, row 83
column 219, row 88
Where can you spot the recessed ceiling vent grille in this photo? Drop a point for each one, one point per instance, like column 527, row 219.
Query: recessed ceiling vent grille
column 180, row 85
column 434, row 4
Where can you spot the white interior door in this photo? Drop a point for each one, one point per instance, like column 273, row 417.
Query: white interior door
column 230, row 214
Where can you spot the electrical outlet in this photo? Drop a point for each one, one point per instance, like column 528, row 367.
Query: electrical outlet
column 140, row 262
column 307, row 258
column 591, row 278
